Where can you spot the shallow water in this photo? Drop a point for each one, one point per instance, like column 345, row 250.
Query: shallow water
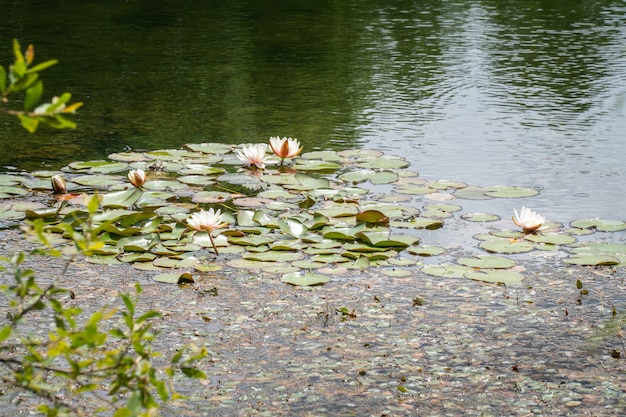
column 526, row 93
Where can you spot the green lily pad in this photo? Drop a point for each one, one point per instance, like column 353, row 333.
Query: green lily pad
column 445, row 184
column 480, row 217
column 551, row 238
column 174, row 278
column 211, row 197
column 273, row 256
column 121, row 199
column 210, row 148
column 446, row 271
column 200, row 170
column 176, row 263
column 12, row 190
column 507, row 246
column 425, row 250
column 592, row 260
column 497, row 275
column 372, row 216
column 164, row 185
column 501, row 191
column 196, row 180
column 418, row 223
column 303, row 279
column 129, row 157
column 101, row 180
column 250, row 240
column 137, row 257
column 384, row 161
column 487, row 262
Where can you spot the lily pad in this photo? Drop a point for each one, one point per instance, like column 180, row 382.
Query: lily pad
column 480, row 217
column 497, row 275
column 303, row 279
column 501, row 191
column 507, row 246
column 592, row 260
column 487, row 262
column 174, row 278
column 447, row 271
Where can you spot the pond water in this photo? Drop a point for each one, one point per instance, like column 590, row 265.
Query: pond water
column 525, row 92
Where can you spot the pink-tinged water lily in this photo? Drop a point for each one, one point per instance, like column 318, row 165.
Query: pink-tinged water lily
column 137, row 177
column 528, row 220
column 208, row 221
column 58, row 184
column 285, row 147
column 253, row 155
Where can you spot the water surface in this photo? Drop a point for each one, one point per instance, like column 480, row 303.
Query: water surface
column 516, row 93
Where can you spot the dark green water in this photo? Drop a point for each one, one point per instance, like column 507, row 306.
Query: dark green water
column 519, row 92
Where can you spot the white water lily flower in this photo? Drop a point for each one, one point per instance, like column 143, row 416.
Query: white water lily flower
column 58, row 184
column 285, row 147
column 137, row 177
column 253, row 155
column 207, row 221
column 528, row 220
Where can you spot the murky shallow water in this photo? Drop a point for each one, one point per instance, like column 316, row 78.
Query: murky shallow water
column 528, row 93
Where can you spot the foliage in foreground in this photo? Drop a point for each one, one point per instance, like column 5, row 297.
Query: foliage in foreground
column 22, row 76
column 65, row 357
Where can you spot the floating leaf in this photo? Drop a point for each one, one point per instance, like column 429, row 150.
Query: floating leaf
column 507, row 246
column 501, row 191
column 480, row 217
column 426, row 250
column 273, row 256
column 446, row 271
column 305, row 279
column 551, row 238
column 175, row 278
column 498, row 275
column 592, row 260
column 372, row 216
column 122, row 199
column 487, row 262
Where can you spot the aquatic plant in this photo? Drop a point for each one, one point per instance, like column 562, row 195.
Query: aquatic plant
column 332, row 212
column 528, row 220
column 285, row 148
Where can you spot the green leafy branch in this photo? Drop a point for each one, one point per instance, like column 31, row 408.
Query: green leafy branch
column 110, row 350
column 22, row 76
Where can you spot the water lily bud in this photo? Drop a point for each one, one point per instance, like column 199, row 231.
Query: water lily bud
column 137, row 177
column 58, row 184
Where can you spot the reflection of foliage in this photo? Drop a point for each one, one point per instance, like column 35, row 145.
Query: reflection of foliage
column 78, row 356
column 22, row 77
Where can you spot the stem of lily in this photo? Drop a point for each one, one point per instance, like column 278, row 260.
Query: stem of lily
column 213, row 243
column 282, row 161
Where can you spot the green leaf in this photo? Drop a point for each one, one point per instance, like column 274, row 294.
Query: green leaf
column 3, row 79
column 29, row 123
column 42, row 66
column 371, row 216
column 496, row 275
column 32, row 95
column 193, row 372
column 5, row 332
column 176, row 278
column 305, row 279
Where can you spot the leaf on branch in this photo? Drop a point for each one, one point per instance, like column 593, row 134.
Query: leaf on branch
column 33, row 94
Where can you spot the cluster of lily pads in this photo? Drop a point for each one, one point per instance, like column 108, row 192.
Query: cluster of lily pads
column 323, row 213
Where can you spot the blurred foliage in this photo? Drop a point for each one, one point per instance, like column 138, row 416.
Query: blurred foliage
column 76, row 363
column 23, row 77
